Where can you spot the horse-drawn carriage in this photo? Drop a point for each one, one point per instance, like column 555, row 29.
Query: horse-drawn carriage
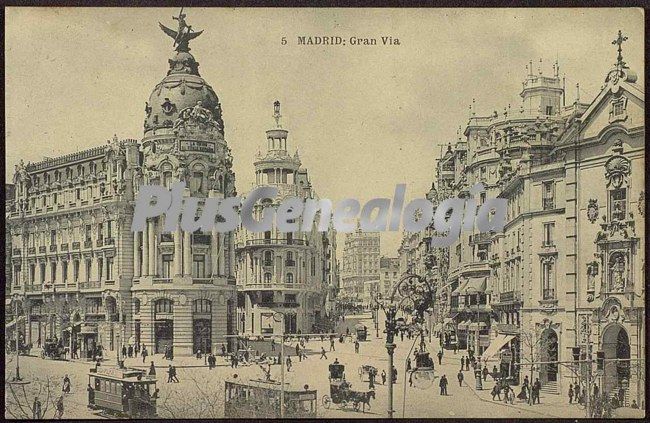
column 341, row 393
column 54, row 350
column 362, row 332
column 366, row 372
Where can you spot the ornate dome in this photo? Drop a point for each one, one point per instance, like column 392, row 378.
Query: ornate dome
column 182, row 88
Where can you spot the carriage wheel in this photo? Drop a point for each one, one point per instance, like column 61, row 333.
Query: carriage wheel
column 356, row 406
column 327, row 401
column 344, row 404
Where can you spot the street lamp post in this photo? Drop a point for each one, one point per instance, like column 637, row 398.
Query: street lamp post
column 417, row 292
column 282, row 317
column 17, row 377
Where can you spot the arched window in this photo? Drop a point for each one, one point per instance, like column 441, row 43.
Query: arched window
column 202, row 306
column 166, row 169
column 267, row 277
column 617, row 272
column 289, row 278
column 289, row 256
column 268, row 258
column 164, row 306
column 196, row 182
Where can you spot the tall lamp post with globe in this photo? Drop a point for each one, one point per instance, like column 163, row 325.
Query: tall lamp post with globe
column 412, row 292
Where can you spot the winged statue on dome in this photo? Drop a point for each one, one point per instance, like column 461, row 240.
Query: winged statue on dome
column 183, row 35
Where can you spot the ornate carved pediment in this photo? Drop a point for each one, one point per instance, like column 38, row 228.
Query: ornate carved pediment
column 618, row 167
column 612, row 311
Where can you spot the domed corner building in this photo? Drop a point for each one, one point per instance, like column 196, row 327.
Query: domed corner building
column 183, row 291
column 76, row 272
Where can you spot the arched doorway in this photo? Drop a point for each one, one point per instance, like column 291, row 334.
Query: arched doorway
column 549, row 353
column 616, row 345
column 164, row 325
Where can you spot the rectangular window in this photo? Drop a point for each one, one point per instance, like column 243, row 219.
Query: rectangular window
column 89, row 267
column 53, row 271
column 549, row 110
column 75, row 269
column 619, row 108
column 32, row 274
column 548, row 283
column 109, row 268
column 548, row 234
column 167, row 260
column 17, row 274
column 77, row 194
column 100, row 231
column 618, row 204
column 88, row 232
column 109, row 229
column 100, row 268
column 548, row 195
column 52, row 237
column 198, row 268
column 64, row 269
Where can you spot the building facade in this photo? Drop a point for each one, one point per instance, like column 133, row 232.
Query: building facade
column 360, row 263
column 79, row 271
column 567, row 274
column 286, row 281
column 389, row 274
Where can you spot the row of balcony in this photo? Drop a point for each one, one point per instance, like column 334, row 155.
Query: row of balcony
column 271, row 241
column 65, row 246
column 47, row 287
column 201, row 239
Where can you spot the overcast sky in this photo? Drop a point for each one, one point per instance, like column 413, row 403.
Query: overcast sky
column 362, row 118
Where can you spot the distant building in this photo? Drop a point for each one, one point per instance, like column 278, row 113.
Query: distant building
column 360, row 263
column 389, row 274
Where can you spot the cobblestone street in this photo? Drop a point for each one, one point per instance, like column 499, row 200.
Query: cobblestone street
column 463, row 400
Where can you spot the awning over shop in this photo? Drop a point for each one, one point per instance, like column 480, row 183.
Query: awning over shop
column 437, row 327
column 477, row 325
column 449, row 320
column 496, row 345
column 464, row 325
column 474, row 285
column 460, row 288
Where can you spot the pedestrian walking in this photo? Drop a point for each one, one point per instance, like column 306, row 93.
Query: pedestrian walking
column 485, row 373
column 58, row 412
column 443, row 385
column 496, row 391
column 332, row 345
column 272, row 344
column 322, row 353
column 288, row 364
column 570, row 393
column 494, row 372
column 130, row 351
column 175, row 374
column 37, row 412
column 66, row 385
column 455, row 349
column 537, row 386
column 440, row 357
column 371, row 380
column 401, row 335
column 123, row 351
column 467, row 361
column 356, row 346
column 144, row 353
column 298, row 352
column 462, row 362
column 460, row 378
column 411, row 379
column 383, row 377
column 408, row 364
column 170, row 374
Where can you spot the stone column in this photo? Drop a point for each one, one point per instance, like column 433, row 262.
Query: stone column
column 136, row 255
column 178, row 258
column 220, row 255
column 214, row 253
column 147, row 326
column 145, row 250
column 154, row 261
column 152, row 249
column 187, row 253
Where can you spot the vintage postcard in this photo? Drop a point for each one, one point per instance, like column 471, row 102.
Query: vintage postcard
column 324, row 213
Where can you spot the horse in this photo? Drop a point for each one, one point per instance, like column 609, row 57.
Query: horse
column 362, row 398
